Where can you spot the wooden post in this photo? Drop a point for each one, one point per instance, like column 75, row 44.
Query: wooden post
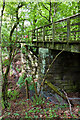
column 68, row 29
column 43, row 33
column 53, row 33
column 68, row 32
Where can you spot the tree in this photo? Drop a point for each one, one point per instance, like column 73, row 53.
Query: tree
column 1, row 57
column 11, row 51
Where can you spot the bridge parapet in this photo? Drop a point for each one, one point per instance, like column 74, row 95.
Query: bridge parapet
column 62, row 34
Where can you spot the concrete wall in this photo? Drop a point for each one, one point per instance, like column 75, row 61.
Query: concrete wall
column 65, row 71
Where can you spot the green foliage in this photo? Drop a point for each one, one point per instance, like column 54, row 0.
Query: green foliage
column 26, row 115
column 30, row 83
column 16, row 114
column 37, row 15
column 18, row 69
column 13, row 94
column 49, row 111
column 78, row 112
column 23, row 49
column 9, row 106
column 22, row 80
column 2, row 103
column 9, row 113
column 6, row 62
column 37, row 100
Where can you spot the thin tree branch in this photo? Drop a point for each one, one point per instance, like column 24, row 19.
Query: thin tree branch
column 17, row 19
column 40, row 12
column 50, row 12
column 45, row 7
column 68, row 102
column 43, row 16
column 3, row 7
column 49, row 20
column 11, row 32
column 0, row 32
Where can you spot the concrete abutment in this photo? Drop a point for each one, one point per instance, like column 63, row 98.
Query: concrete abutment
column 64, row 72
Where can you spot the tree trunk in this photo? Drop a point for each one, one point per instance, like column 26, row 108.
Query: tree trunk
column 11, row 55
column 4, row 93
column 0, row 71
column 1, row 58
column 0, row 76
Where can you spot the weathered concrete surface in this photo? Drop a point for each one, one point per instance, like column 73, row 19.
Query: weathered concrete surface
column 71, row 46
column 64, row 73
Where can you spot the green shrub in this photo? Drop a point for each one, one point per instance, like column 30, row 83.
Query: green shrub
column 6, row 62
column 13, row 94
column 37, row 100
column 22, row 80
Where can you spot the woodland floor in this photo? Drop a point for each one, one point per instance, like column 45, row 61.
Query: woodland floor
column 20, row 107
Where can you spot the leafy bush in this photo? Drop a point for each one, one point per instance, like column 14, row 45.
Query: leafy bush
column 37, row 100
column 16, row 114
column 22, row 80
column 23, row 49
column 12, row 94
column 31, row 85
column 5, row 62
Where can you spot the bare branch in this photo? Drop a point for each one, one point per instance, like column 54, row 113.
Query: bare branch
column 3, row 7
column 45, row 7
column 40, row 12
column 68, row 102
column 43, row 16
column 17, row 20
column 50, row 13
column 11, row 33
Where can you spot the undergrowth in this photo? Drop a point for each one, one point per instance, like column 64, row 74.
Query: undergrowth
column 38, row 107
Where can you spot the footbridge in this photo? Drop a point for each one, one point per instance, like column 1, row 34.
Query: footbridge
column 62, row 34
column 49, row 40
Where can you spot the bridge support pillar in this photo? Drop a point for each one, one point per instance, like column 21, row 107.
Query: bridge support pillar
column 64, row 72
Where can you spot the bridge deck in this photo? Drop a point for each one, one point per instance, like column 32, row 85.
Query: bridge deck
column 62, row 34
